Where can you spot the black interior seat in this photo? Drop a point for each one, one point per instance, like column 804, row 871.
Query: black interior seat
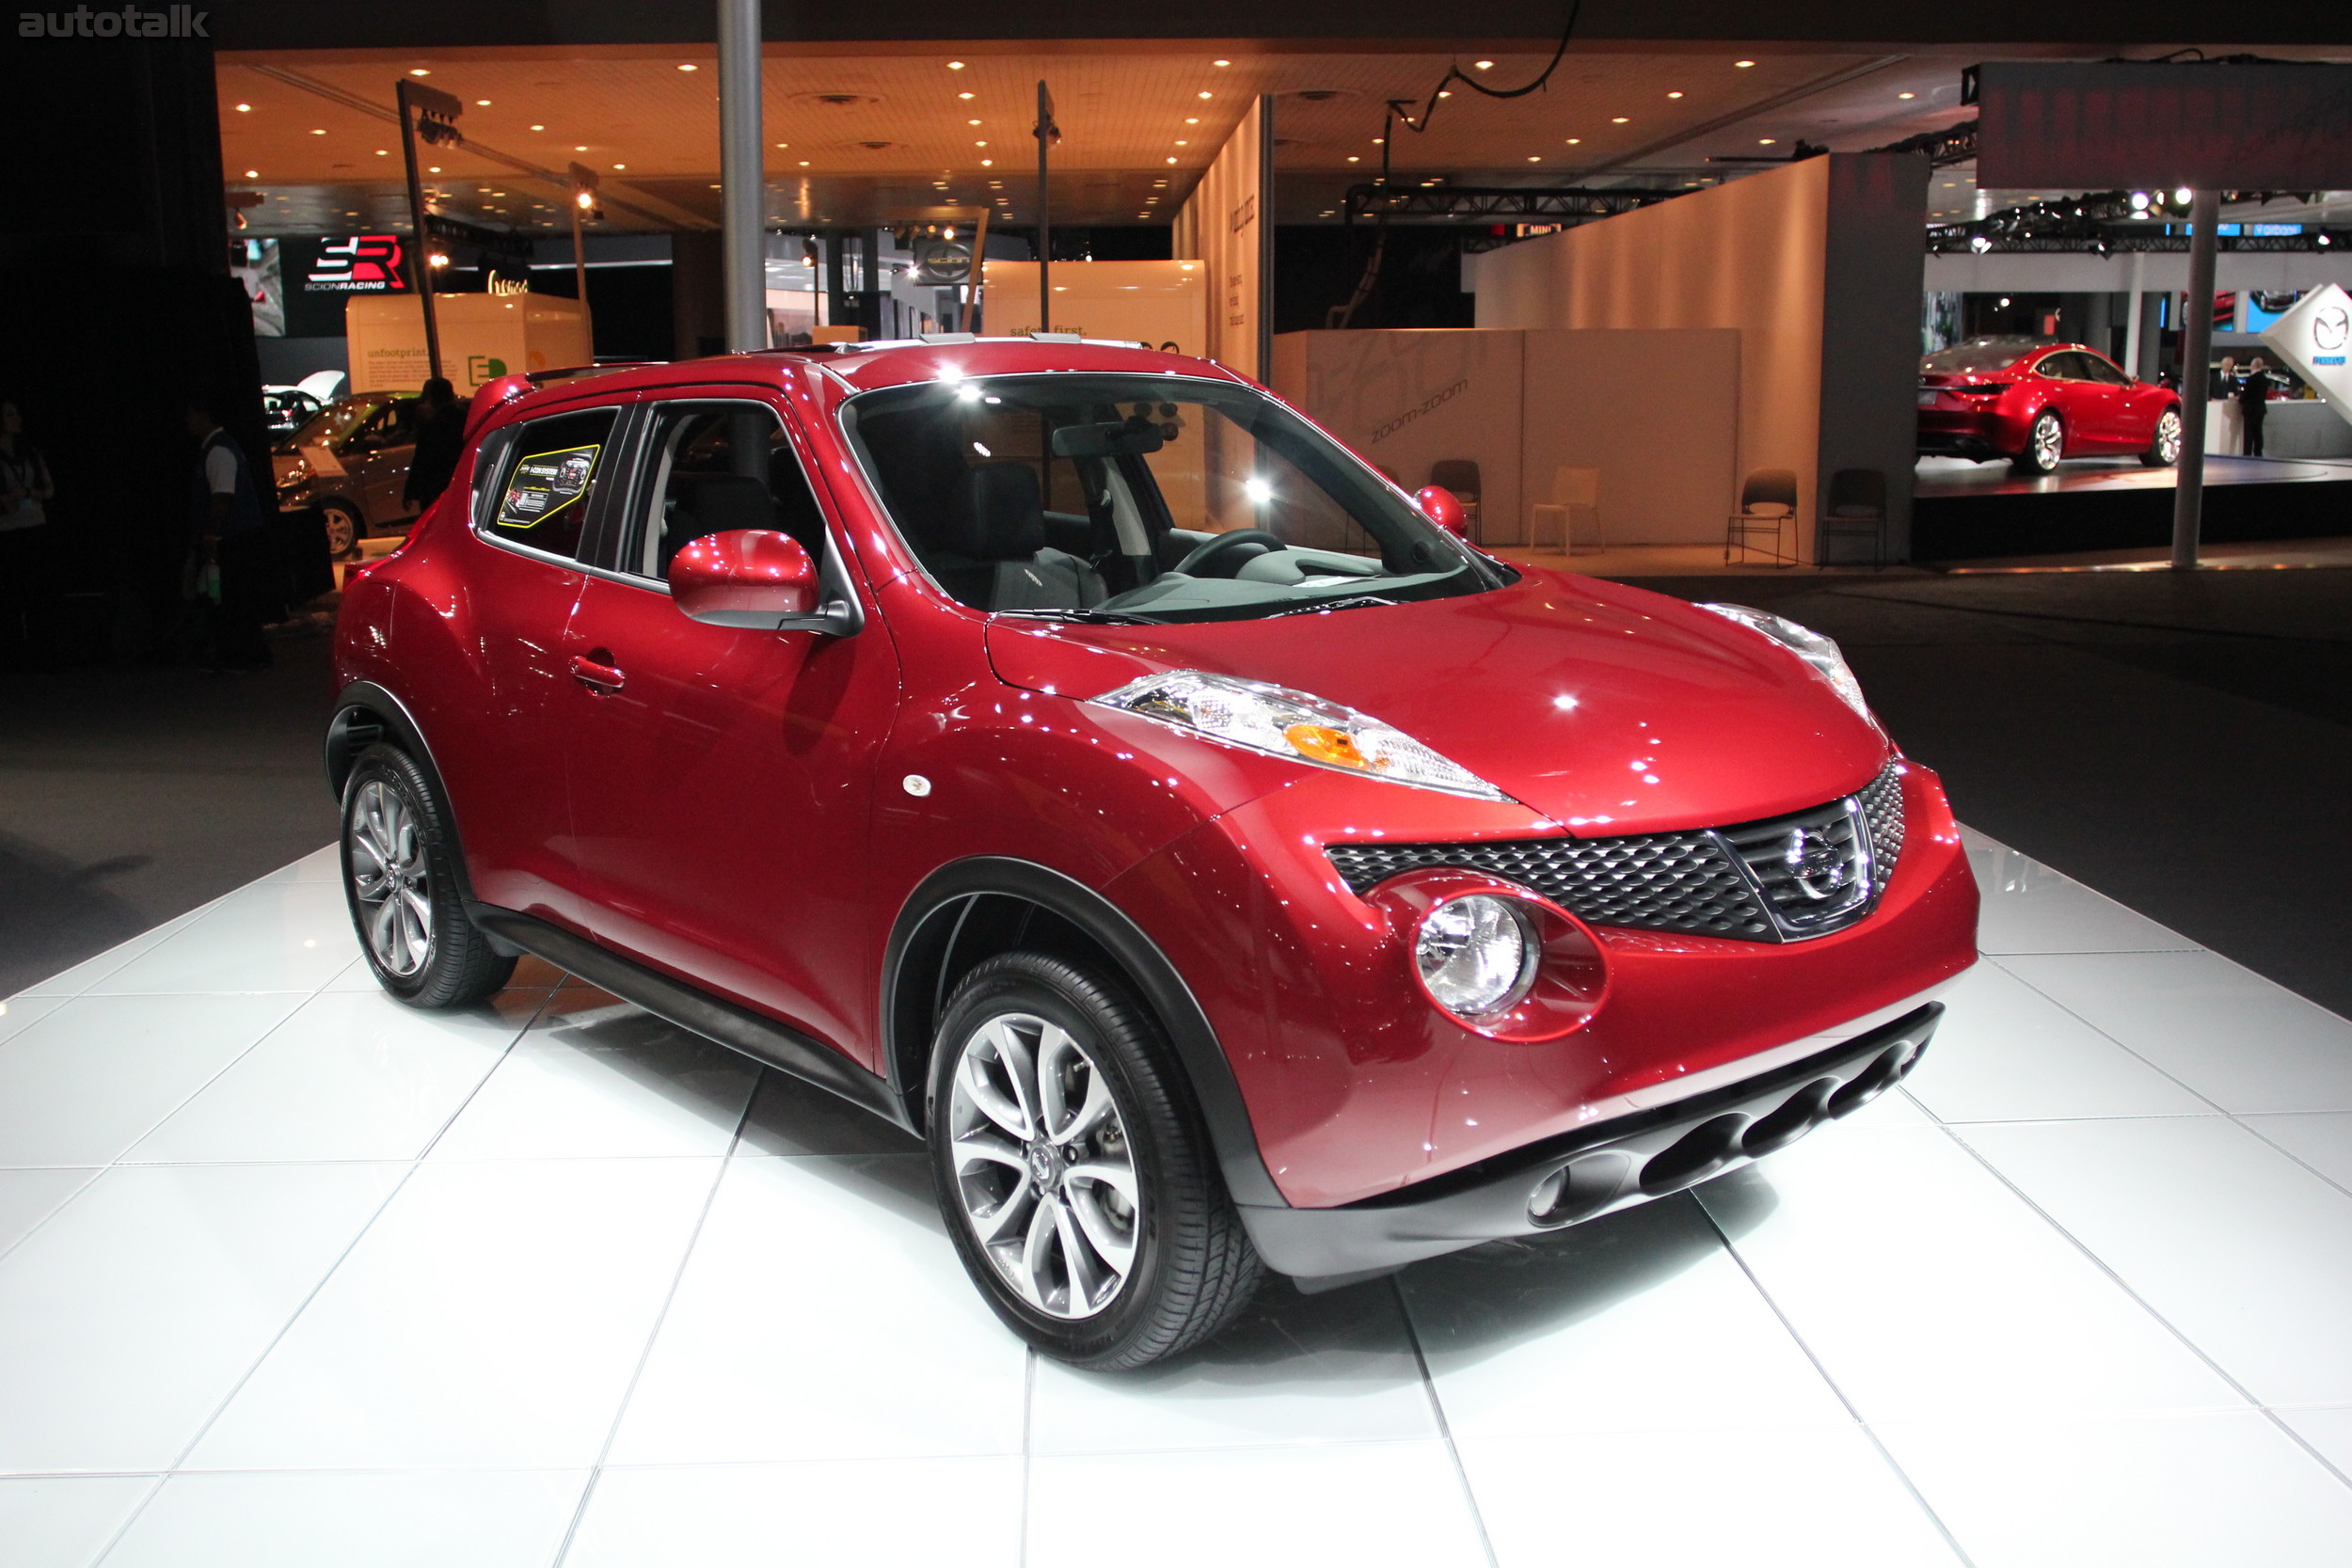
column 716, row 503
column 996, row 557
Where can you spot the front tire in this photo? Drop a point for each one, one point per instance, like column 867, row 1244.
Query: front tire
column 343, row 528
column 2163, row 445
column 2045, row 445
column 401, row 881
column 1073, row 1170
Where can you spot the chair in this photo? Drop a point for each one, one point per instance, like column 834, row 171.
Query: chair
column 1571, row 488
column 1460, row 475
column 1767, row 505
column 1854, row 508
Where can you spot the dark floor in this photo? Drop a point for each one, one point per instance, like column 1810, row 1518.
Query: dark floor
column 129, row 796
column 2184, row 744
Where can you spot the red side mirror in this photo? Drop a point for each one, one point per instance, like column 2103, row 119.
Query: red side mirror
column 744, row 578
column 1440, row 507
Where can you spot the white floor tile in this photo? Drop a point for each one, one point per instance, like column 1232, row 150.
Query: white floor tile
column 2240, row 1248
column 128, row 1318
column 604, row 1081
column 1927, row 1289
column 492, row 1316
column 1812, row 1497
column 2006, row 1053
column 862, row 1514
column 19, row 1012
column 1336, row 1368
column 91, row 1079
column 347, row 1077
column 65, row 1522
column 2222, row 1030
column 2212, row 1490
column 2321, row 1139
column 29, row 1197
column 447, row 1519
column 2329, row 1431
column 322, row 864
column 74, row 981
column 2028, row 908
column 824, row 1316
column 286, row 936
column 1638, row 1322
column 1368, row 1505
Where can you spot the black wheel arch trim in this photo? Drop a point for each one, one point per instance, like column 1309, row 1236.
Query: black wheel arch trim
column 352, row 730
column 933, row 917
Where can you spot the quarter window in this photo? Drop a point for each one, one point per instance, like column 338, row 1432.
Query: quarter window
column 714, row 468
column 544, row 483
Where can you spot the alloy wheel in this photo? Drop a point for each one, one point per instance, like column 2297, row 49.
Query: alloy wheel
column 2049, row 442
column 391, row 878
column 1044, row 1168
column 342, row 530
column 2168, row 436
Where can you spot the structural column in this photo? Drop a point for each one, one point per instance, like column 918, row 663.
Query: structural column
column 742, row 176
column 2188, row 497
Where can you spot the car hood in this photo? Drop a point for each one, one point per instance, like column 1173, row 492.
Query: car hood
column 1608, row 708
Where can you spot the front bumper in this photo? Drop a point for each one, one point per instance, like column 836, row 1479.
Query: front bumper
column 1593, row 1170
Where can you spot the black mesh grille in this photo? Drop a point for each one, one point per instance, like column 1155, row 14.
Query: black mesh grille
column 1730, row 882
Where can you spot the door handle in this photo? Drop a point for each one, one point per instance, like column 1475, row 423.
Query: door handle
column 597, row 677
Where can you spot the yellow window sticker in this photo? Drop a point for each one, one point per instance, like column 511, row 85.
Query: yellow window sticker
column 544, row 483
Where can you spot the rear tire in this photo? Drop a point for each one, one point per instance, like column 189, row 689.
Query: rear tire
column 1073, row 1170
column 401, row 881
column 2045, row 445
column 343, row 528
column 2164, row 444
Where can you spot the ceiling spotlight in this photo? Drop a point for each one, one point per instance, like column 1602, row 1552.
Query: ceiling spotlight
column 318, row 131
column 1906, row 95
column 1220, row 62
column 1482, row 65
column 1619, row 119
column 1445, row 92
column 1181, row 142
column 1766, row 141
column 1743, row 64
column 1576, row 141
column 383, row 151
column 253, row 174
column 987, row 163
column 955, row 65
column 964, row 95
column 2140, row 201
column 1674, row 95
column 620, row 165
column 2182, row 197
column 1532, row 159
column 971, row 122
column 245, row 108
column 481, row 103
column 419, row 71
column 2324, row 240
column 1352, row 158
column 690, row 67
column 1205, row 93
column 1978, row 243
column 804, row 163
column 538, row 128
column 979, row 144
column 1171, row 160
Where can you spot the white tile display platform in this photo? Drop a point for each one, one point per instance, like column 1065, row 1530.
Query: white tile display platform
column 292, row 1276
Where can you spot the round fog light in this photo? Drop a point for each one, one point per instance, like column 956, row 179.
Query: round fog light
column 1476, row 953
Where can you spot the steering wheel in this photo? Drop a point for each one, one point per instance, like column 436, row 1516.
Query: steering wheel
column 1255, row 541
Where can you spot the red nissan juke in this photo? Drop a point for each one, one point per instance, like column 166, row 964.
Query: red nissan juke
column 1074, row 755
column 2037, row 404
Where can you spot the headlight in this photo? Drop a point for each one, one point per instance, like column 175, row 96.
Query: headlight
column 1808, row 645
column 1477, row 955
column 1291, row 724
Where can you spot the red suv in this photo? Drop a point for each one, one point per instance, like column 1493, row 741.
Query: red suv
column 1072, row 754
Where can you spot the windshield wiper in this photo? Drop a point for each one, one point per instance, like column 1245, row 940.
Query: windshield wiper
column 1095, row 617
column 1358, row 601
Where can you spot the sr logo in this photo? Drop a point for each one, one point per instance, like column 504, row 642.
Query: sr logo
column 2331, row 326
column 1822, row 867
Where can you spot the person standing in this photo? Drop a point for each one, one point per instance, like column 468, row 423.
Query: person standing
column 440, row 441
column 2253, row 402
column 24, row 487
column 231, row 550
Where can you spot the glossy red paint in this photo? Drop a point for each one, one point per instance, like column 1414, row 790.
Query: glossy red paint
column 1444, row 508
column 754, row 811
column 744, row 578
column 1991, row 412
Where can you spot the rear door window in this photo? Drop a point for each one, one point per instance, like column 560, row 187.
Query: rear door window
column 549, row 469
column 714, row 468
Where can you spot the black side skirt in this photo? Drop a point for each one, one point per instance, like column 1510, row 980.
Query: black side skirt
column 761, row 1038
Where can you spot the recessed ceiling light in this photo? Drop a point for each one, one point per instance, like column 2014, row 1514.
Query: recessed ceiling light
column 987, row 163
column 1906, row 95
column 318, row 131
column 1171, row 160
column 782, row 145
column 481, row 103
column 971, row 122
column 1674, row 95
column 1574, row 141
column 955, row 65
column 419, row 71
column 805, row 163
column 1380, row 141
column 435, row 170
column 1743, row 64
column 538, row 128
column 383, row 151
column 1619, row 119
column 1181, row 142
column 1205, row 93
column 1443, row 92
column 1532, row 159
column 245, row 108
column 1352, row 158
column 689, row 65
column 1192, row 119
column 580, row 149
column 1765, row 142
column 979, row 144
column 964, row 95
column 256, row 174
column 1483, row 65
column 1220, row 62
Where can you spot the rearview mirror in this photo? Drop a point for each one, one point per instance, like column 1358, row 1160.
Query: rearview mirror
column 750, row 577
column 1440, row 506
column 1135, row 438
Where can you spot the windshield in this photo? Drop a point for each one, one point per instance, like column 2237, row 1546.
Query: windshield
column 1980, row 355
column 1143, row 497
column 329, row 425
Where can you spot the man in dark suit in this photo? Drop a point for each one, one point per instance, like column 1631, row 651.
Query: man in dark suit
column 2253, row 400
column 440, row 441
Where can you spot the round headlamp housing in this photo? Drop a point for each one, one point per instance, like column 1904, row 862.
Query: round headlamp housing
column 1496, row 958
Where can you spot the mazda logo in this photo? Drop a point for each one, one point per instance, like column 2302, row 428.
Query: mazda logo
column 1820, row 867
column 2330, row 326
